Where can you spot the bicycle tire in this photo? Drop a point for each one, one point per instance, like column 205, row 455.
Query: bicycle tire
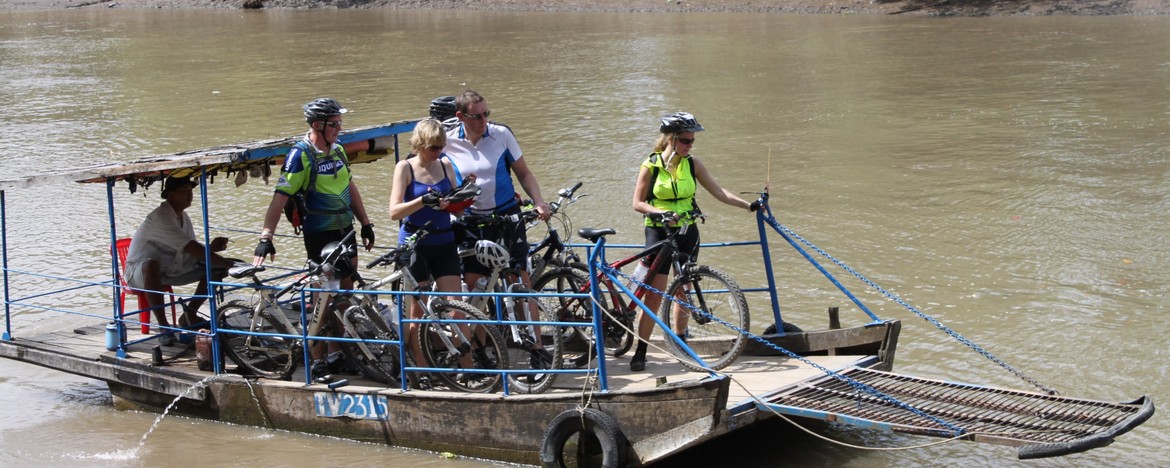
column 720, row 297
column 267, row 357
column 526, row 359
column 487, row 348
column 382, row 362
column 577, row 340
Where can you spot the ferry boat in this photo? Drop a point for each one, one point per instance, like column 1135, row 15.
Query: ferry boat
column 839, row 373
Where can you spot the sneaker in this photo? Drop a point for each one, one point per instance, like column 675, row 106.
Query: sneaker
column 420, row 382
column 319, row 371
column 638, row 363
column 338, row 364
column 167, row 339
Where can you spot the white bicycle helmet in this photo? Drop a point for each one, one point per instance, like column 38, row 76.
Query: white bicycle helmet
column 492, row 255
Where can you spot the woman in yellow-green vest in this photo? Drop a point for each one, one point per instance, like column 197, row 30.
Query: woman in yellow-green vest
column 667, row 183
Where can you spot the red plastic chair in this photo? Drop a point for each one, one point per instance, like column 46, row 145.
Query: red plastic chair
column 122, row 246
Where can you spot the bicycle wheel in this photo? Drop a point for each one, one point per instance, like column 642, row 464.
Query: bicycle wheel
column 444, row 346
column 578, row 340
column 710, row 298
column 525, row 357
column 377, row 361
column 263, row 356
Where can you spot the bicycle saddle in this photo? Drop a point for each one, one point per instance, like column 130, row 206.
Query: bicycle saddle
column 244, row 270
column 592, row 234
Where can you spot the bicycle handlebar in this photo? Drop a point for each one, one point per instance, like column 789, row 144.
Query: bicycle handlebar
column 407, row 246
column 670, row 216
column 494, row 219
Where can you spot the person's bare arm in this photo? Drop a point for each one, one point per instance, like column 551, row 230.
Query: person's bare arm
column 708, row 181
column 531, row 187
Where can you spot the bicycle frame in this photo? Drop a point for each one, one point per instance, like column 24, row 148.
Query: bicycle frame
column 410, row 283
column 596, row 259
column 666, row 249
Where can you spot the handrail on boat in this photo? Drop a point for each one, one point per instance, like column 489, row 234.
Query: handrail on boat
column 207, row 163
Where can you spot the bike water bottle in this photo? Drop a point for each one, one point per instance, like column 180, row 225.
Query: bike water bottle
column 638, row 275
column 389, row 313
column 481, row 285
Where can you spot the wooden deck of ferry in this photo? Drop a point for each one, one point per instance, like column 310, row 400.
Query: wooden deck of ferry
column 755, row 375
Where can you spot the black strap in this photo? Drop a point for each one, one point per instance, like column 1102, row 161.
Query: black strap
column 444, row 166
column 415, row 228
column 328, row 212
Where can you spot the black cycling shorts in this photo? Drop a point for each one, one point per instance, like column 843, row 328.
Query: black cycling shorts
column 435, row 261
column 315, row 241
column 688, row 243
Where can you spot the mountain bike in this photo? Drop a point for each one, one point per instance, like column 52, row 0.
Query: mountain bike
column 445, row 340
column 709, row 295
column 263, row 336
column 505, row 278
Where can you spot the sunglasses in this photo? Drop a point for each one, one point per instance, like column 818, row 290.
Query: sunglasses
column 478, row 116
column 435, row 147
column 685, row 141
column 336, row 124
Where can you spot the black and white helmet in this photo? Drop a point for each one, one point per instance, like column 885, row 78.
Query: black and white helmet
column 492, row 255
column 679, row 122
column 443, row 108
column 323, row 109
column 341, row 262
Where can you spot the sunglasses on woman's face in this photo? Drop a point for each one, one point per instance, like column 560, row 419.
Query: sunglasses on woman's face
column 435, row 147
column 686, row 141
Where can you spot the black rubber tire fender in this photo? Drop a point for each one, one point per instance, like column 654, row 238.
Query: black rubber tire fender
column 613, row 443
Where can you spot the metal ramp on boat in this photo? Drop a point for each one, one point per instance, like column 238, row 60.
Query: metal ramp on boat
column 1040, row 425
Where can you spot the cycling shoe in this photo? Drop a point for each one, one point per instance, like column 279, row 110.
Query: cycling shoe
column 319, row 372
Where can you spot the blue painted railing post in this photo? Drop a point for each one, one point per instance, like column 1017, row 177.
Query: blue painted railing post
column 767, row 256
column 598, row 332
column 216, row 366
column 4, row 253
column 118, row 319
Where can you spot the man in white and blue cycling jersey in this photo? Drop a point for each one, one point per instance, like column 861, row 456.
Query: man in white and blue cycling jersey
column 490, row 152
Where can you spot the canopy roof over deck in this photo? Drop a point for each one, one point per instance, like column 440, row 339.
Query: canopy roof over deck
column 256, row 159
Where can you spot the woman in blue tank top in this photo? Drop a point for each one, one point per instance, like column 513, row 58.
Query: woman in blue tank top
column 416, row 199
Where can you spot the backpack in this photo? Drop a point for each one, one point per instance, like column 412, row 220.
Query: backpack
column 295, row 209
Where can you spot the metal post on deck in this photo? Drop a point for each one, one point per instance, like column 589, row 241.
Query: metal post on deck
column 216, row 366
column 118, row 319
column 4, row 253
column 767, row 256
column 598, row 332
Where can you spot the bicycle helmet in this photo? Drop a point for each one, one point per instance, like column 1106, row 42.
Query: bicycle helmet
column 462, row 197
column 492, row 255
column 323, row 109
column 679, row 122
column 341, row 263
column 443, row 108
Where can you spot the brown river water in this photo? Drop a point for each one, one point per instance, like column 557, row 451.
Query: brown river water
column 1007, row 176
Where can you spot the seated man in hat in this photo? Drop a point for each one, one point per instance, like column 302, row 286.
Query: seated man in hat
column 164, row 252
